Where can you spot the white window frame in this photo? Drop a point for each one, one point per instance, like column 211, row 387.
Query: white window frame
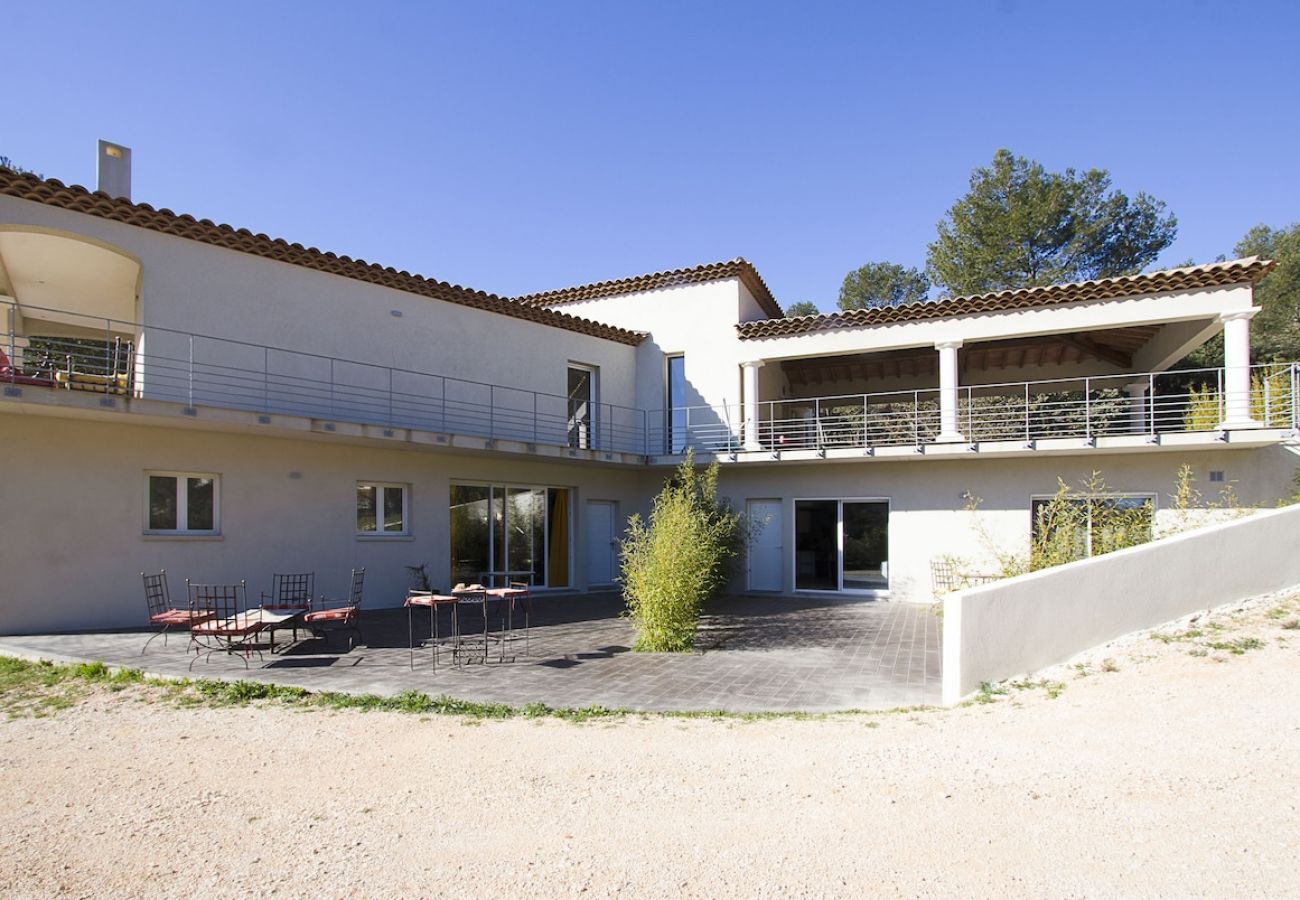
column 793, row 557
column 382, row 486
column 182, row 504
column 1151, row 496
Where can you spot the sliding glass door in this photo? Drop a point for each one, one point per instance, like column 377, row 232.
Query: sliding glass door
column 841, row 545
column 523, row 530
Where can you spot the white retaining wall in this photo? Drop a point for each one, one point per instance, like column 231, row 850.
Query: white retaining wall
column 1023, row 624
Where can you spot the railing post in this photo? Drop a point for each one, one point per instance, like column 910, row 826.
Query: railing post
column 817, row 421
column 1151, row 404
column 1222, row 410
column 266, row 379
column 1027, row 437
column 916, row 418
column 190, row 376
column 534, row 417
column 390, row 396
column 645, row 431
column 331, row 387
column 1268, row 407
column 1087, row 408
column 442, row 404
column 865, row 443
column 686, row 438
column 492, row 411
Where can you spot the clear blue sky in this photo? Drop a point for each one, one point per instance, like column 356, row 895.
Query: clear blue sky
column 523, row 147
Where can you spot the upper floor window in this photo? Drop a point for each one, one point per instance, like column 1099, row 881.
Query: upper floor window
column 182, row 503
column 678, row 416
column 382, row 508
column 582, row 402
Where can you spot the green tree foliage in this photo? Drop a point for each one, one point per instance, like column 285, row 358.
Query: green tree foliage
column 1275, row 330
column 882, row 284
column 801, row 308
column 680, row 559
column 1020, row 225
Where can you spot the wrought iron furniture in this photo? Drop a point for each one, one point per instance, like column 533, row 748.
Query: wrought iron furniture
column 337, row 615
column 945, row 577
column 433, row 601
column 290, row 597
column 516, row 593
column 474, row 597
column 228, row 625
column 161, row 612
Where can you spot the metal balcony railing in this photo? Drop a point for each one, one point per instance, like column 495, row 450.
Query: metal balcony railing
column 1149, row 404
column 200, row 370
column 148, row 362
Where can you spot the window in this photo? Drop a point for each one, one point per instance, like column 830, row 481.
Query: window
column 182, row 503
column 678, row 423
column 582, row 399
column 381, row 508
column 521, row 530
column 841, row 545
column 1097, row 524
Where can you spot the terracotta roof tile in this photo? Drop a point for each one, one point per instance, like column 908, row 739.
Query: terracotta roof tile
column 735, row 268
column 1237, row 271
column 78, row 199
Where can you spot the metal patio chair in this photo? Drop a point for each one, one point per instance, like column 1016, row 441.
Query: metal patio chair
column 290, row 595
column 473, row 597
column 228, row 626
column 516, row 593
column 161, row 612
column 336, row 615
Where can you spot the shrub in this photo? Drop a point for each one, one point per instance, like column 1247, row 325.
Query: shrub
column 680, row 559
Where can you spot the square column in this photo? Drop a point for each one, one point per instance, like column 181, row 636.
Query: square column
column 749, row 386
column 948, row 432
column 1236, row 370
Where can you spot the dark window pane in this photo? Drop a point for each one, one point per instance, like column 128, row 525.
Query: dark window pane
column 816, row 545
column 393, row 511
column 866, row 546
column 199, row 504
column 678, row 418
column 366, row 511
column 579, row 408
column 162, row 503
column 470, row 532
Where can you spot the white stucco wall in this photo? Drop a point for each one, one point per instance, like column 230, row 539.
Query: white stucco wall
column 927, row 510
column 1024, row 624
column 195, row 287
column 72, row 513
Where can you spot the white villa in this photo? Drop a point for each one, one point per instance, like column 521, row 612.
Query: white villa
column 178, row 394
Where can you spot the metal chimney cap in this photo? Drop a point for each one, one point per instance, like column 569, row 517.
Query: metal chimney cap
column 113, row 164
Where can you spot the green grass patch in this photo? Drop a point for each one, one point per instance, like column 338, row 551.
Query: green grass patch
column 1236, row 647
column 31, row 689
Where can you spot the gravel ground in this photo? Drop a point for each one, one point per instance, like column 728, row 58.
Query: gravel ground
column 1159, row 768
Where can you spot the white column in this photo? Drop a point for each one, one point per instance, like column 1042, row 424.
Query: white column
column 1236, row 370
column 750, row 390
column 948, row 432
column 1137, row 406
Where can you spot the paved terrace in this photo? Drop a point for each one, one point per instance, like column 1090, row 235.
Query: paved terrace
column 756, row 655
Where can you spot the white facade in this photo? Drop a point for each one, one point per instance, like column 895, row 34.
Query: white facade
column 293, row 387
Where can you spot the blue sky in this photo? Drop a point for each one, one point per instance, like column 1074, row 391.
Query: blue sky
column 523, row 147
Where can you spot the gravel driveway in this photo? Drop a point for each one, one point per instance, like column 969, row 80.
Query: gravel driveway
column 1169, row 770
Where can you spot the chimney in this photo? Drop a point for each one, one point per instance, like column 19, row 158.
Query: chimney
column 115, row 170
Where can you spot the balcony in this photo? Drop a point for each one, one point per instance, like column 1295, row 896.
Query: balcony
column 134, row 362
column 1149, row 406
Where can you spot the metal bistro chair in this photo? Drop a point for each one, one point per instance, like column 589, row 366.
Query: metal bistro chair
column 433, row 600
column 161, row 612
column 472, row 597
column 516, row 593
column 336, row 615
column 228, row 627
column 290, row 595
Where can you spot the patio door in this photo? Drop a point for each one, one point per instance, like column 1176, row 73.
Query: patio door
column 766, row 549
column 602, row 543
column 501, row 528
column 582, row 402
column 842, row 545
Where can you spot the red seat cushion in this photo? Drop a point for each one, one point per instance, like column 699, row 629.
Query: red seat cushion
column 331, row 615
column 178, row 617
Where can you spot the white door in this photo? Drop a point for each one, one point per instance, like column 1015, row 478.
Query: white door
column 602, row 543
column 767, row 550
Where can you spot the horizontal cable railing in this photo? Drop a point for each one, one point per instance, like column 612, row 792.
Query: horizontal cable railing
column 198, row 370
column 1151, row 404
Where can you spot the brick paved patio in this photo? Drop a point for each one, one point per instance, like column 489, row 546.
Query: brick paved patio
column 755, row 654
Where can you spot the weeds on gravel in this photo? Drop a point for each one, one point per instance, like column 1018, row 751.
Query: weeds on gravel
column 1236, row 647
column 38, row 688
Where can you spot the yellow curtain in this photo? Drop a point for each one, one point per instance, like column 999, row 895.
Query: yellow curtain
column 557, row 566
